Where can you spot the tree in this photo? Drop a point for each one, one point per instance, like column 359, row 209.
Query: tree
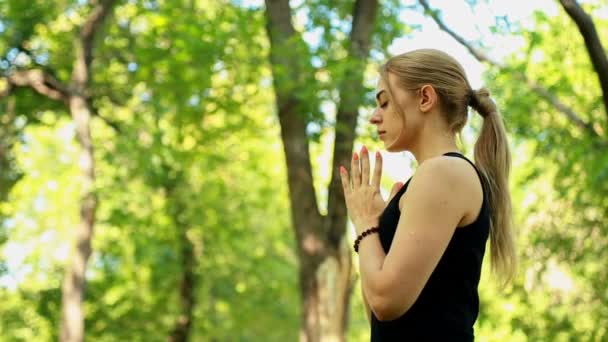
column 326, row 278
column 192, row 105
column 74, row 96
column 184, row 187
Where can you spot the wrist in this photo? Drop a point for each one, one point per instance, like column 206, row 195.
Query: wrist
column 364, row 225
column 363, row 235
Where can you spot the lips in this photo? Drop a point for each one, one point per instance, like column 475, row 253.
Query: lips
column 381, row 132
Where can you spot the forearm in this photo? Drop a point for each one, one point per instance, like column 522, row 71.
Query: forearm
column 371, row 259
column 368, row 310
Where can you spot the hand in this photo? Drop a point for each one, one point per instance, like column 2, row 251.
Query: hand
column 363, row 200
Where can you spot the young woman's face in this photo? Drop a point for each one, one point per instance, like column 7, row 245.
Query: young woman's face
column 396, row 133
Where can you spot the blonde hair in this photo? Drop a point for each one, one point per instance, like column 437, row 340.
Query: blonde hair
column 492, row 156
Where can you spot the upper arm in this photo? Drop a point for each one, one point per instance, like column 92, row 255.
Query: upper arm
column 431, row 210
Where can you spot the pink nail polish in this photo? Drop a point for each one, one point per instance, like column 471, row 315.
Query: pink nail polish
column 355, row 157
column 364, row 149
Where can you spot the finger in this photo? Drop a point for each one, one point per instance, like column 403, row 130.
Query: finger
column 396, row 187
column 355, row 171
column 345, row 181
column 364, row 166
column 377, row 171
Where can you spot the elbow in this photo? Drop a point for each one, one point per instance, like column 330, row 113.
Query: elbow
column 389, row 307
column 385, row 313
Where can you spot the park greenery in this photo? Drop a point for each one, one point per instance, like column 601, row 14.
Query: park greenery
column 168, row 167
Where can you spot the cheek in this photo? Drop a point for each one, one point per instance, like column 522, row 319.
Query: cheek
column 394, row 116
column 412, row 119
column 398, row 120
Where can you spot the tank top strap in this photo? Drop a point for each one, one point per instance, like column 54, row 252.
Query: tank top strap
column 461, row 156
column 482, row 179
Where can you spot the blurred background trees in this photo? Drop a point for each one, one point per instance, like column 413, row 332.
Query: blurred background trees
column 215, row 129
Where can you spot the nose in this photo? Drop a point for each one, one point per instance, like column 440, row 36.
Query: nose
column 375, row 119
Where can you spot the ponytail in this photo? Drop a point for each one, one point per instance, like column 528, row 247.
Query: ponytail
column 416, row 68
column 493, row 158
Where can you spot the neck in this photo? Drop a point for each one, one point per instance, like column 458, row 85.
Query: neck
column 433, row 145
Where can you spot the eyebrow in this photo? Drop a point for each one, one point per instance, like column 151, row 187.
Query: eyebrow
column 379, row 93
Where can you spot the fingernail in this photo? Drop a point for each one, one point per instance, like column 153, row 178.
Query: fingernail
column 355, row 157
column 364, row 149
column 400, row 185
column 377, row 154
column 342, row 169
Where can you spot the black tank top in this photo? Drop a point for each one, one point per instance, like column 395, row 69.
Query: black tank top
column 449, row 303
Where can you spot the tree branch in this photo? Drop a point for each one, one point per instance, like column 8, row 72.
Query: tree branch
column 593, row 44
column 80, row 74
column 40, row 81
column 478, row 54
column 536, row 87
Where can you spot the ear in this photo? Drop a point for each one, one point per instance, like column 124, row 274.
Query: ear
column 428, row 98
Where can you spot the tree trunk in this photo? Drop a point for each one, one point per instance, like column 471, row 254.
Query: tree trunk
column 188, row 281
column 72, row 327
column 9, row 174
column 183, row 323
column 74, row 96
column 325, row 275
column 72, row 316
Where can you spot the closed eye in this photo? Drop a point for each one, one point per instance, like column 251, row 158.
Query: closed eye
column 384, row 104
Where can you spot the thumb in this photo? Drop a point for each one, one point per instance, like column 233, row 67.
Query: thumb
column 396, row 187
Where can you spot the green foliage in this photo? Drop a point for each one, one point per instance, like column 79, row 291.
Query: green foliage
column 186, row 96
column 41, row 212
column 559, row 189
column 198, row 154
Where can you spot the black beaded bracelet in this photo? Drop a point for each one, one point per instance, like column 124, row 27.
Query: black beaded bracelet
column 364, row 234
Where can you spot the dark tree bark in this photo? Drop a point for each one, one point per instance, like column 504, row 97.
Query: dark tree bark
column 325, row 277
column 188, row 280
column 596, row 51
column 187, row 286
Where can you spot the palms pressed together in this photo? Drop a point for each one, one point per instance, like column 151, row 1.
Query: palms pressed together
column 364, row 201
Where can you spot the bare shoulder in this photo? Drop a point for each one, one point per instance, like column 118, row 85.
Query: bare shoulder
column 453, row 172
column 448, row 178
column 451, row 168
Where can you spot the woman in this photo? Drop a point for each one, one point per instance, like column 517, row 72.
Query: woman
column 421, row 252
